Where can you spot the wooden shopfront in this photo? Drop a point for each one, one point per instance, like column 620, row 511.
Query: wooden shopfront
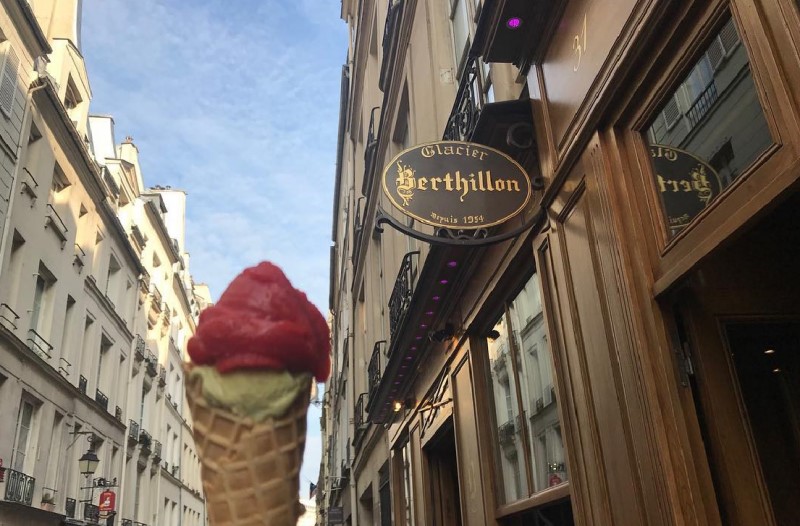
column 634, row 359
column 668, row 134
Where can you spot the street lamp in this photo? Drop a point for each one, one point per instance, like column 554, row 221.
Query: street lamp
column 88, row 462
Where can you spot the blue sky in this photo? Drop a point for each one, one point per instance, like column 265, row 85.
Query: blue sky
column 236, row 103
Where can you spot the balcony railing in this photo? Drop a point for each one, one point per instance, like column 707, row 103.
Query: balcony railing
column 39, row 345
column 374, row 369
column 506, row 433
column 127, row 522
column 162, row 376
column 156, row 450
column 80, row 257
column 145, row 440
column 403, row 290
column 63, row 367
column 118, row 413
column 91, row 513
column 82, row 383
column 53, row 220
column 69, row 508
column 138, row 351
column 19, row 487
column 157, row 298
column 467, row 106
column 133, row 431
column 360, row 417
column 176, row 471
column 703, row 104
column 101, row 399
column 8, row 318
column 151, row 363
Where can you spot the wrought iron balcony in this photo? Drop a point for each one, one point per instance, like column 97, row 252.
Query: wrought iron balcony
column 63, row 367
column 138, row 351
column 54, row 221
column 39, row 345
column 8, row 318
column 403, row 290
column 162, row 376
column 19, row 487
column 82, row 383
column 703, row 104
column 80, row 257
column 151, row 363
column 118, row 413
column 374, row 369
column 157, row 298
column 176, row 470
column 156, row 450
column 133, row 431
column 101, row 399
column 506, row 433
column 127, row 522
column 467, row 106
column 146, row 441
column 69, row 508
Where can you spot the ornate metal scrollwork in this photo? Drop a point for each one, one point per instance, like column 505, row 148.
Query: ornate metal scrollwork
column 467, row 107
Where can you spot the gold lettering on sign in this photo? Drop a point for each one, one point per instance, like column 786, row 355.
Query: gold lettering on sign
column 579, row 45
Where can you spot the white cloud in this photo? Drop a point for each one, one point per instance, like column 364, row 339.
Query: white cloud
column 237, row 104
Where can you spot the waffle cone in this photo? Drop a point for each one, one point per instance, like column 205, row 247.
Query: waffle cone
column 250, row 470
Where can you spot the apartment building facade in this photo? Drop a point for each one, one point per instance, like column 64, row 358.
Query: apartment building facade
column 624, row 350
column 97, row 303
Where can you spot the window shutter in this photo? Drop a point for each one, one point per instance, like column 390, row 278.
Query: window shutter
column 8, row 80
column 715, row 53
column 671, row 112
column 728, row 36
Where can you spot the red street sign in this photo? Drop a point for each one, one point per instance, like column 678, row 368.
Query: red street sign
column 108, row 501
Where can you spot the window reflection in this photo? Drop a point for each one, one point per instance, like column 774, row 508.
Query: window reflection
column 530, row 444
column 709, row 131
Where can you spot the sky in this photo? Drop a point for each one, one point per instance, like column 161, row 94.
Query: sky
column 235, row 102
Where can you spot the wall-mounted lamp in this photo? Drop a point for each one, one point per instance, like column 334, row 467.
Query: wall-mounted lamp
column 443, row 334
column 399, row 405
column 88, row 462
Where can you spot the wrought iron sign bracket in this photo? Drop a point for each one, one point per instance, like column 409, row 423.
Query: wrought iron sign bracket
column 458, row 237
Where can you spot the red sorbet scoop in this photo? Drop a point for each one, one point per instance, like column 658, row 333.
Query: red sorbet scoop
column 263, row 322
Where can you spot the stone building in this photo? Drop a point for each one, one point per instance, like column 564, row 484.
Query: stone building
column 96, row 300
column 624, row 351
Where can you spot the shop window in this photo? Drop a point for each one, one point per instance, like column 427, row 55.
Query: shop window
column 529, row 444
column 709, row 131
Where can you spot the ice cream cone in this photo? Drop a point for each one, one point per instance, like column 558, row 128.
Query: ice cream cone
column 250, row 469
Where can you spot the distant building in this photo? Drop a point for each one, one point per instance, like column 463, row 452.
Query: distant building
column 96, row 299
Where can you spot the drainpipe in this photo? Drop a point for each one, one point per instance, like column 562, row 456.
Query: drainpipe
column 25, row 115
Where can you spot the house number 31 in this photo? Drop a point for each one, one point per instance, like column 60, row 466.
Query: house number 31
column 579, row 45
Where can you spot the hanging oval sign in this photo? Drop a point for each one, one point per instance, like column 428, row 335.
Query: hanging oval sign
column 457, row 185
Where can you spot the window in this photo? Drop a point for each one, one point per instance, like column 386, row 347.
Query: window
column 460, row 23
column 529, row 445
column 41, row 310
column 709, row 131
column 113, row 279
column 24, row 439
column 105, row 346
column 72, row 97
column 8, row 78
column 54, row 464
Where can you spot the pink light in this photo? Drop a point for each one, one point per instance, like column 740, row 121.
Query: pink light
column 452, row 264
column 418, row 338
column 429, row 313
column 436, row 298
column 513, row 23
column 443, row 281
column 423, row 326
